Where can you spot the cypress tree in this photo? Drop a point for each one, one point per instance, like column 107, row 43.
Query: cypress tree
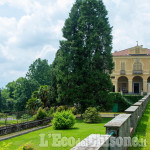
column 84, row 60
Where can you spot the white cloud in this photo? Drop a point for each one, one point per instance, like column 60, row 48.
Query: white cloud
column 37, row 30
column 46, row 51
column 35, row 34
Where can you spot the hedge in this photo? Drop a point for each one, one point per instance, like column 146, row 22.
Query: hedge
column 123, row 103
column 133, row 98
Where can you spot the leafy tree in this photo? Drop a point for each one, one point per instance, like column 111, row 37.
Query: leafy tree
column 1, row 101
column 84, row 62
column 40, row 72
column 53, row 86
column 52, row 96
column 5, row 94
column 23, row 91
column 11, row 88
column 43, row 94
column 4, row 97
column 33, row 104
column 10, row 105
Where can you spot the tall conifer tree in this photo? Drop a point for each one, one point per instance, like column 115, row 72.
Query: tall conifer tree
column 84, row 60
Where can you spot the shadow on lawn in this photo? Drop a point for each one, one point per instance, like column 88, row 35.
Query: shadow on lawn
column 103, row 121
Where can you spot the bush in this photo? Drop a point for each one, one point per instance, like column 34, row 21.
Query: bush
column 133, row 98
column 28, row 147
column 24, row 147
column 91, row 115
column 51, row 111
column 63, row 120
column 62, row 108
column 5, row 146
column 73, row 110
column 100, row 108
column 41, row 114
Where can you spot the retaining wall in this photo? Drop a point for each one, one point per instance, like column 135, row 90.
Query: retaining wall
column 23, row 126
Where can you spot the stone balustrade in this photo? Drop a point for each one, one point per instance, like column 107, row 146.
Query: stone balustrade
column 133, row 110
column 123, row 125
column 140, row 108
column 144, row 104
column 145, row 101
column 119, row 125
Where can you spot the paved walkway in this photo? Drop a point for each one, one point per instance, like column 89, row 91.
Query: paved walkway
column 12, row 135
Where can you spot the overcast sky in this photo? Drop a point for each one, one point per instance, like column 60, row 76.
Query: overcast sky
column 30, row 29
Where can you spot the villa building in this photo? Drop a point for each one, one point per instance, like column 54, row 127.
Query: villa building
column 131, row 73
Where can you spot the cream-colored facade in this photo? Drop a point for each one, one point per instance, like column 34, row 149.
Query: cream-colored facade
column 131, row 74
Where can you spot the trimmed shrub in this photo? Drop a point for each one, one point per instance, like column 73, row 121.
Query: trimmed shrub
column 133, row 98
column 91, row 115
column 41, row 114
column 63, row 120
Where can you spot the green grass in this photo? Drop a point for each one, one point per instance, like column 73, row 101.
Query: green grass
column 80, row 130
column 143, row 130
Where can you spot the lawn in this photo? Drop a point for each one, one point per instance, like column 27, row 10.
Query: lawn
column 143, row 130
column 80, row 131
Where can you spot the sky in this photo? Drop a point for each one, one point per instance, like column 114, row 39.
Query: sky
column 31, row 29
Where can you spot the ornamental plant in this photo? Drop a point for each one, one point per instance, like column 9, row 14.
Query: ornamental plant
column 63, row 120
column 41, row 114
column 91, row 115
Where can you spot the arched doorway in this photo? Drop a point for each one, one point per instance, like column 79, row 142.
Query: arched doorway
column 148, row 85
column 123, row 84
column 137, row 85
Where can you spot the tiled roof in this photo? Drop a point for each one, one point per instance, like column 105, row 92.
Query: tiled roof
column 121, row 53
column 126, row 52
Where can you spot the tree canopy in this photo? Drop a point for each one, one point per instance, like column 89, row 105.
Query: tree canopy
column 39, row 71
column 84, row 60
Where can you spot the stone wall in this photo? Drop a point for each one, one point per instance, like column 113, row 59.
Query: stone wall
column 23, row 126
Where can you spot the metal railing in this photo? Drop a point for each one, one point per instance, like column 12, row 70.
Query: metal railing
column 122, row 72
column 137, row 71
